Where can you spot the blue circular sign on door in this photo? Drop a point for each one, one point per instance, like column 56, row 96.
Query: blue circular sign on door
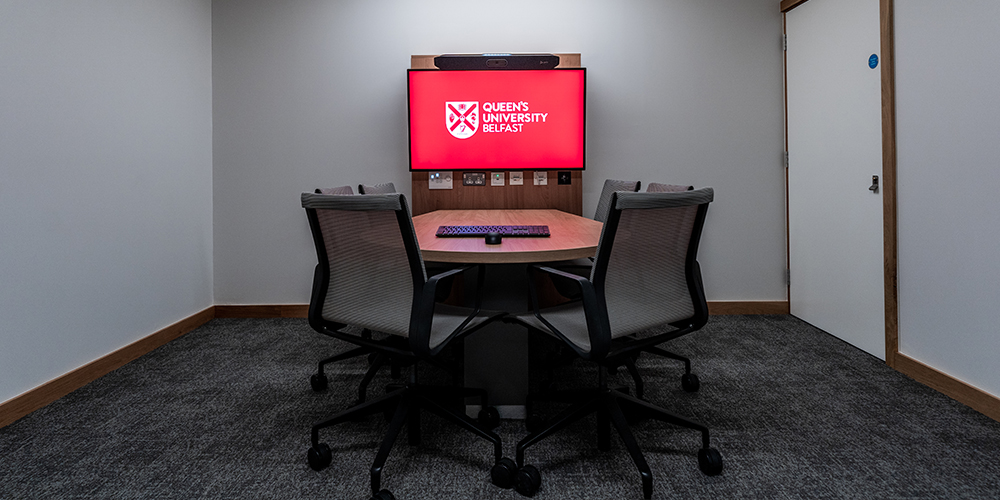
column 873, row 61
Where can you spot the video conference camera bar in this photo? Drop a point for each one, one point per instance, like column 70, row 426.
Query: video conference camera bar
column 496, row 61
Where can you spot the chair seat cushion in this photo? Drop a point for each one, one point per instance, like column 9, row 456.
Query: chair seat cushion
column 568, row 318
column 447, row 318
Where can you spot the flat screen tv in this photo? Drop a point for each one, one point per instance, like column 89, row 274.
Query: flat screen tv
column 497, row 119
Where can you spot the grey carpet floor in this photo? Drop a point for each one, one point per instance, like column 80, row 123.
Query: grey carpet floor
column 225, row 412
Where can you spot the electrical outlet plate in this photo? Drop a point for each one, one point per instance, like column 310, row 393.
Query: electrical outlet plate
column 439, row 180
column 516, row 178
column 564, row 178
column 541, row 178
column 497, row 179
column 473, row 178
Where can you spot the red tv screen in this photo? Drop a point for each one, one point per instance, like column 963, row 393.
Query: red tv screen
column 497, row 119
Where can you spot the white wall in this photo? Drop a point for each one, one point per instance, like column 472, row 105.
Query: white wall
column 106, row 186
column 948, row 125
column 312, row 94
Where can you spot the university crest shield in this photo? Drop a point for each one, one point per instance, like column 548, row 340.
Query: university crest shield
column 461, row 118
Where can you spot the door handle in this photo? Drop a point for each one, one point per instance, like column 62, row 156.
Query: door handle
column 874, row 186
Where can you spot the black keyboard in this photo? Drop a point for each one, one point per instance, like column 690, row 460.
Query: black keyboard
column 526, row 231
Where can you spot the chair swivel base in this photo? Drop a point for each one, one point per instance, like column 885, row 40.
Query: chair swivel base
column 608, row 404
column 405, row 404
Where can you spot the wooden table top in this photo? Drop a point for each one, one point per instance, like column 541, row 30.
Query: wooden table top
column 572, row 237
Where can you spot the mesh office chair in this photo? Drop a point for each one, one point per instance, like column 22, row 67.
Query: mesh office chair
column 612, row 186
column 319, row 381
column 656, row 187
column 645, row 276
column 370, row 274
column 444, row 289
column 384, row 188
column 582, row 267
column 340, row 190
column 689, row 381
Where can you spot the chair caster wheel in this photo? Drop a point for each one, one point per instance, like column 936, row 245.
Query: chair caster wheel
column 690, row 383
column 503, row 472
column 710, row 461
column 489, row 417
column 527, row 481
column 318, row 382
column 320, row 457
column 383, row 495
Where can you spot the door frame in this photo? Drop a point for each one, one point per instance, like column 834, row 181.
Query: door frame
column 948, row 385
column 888, row 180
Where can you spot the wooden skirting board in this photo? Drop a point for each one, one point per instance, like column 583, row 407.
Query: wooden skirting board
column 51, row 391
column 974, row 398
column 263, row 311
column 722, row 308
column 47, row 393
column 301, row 310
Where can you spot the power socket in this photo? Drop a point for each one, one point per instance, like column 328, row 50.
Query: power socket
column 541, row 178
column 473, row 178
column 564, row 178
column 497, row 179
column 439, row 180
column 516, row 178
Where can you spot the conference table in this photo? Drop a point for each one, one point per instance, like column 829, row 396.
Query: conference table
column 496, row 357
column 572, row 237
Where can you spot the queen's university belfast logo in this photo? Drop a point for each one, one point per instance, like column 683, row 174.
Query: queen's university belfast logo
column 461, row 118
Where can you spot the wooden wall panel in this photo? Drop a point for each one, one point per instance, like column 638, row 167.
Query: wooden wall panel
column 568, row 198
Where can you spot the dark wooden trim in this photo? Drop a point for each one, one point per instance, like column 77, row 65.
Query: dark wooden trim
column 301, row 310
column 568, row 198
column 974, row 398
column 889, row 238
column 720, row 308
column 41, row 396
column 263, row 311
column 788, row 238
column 787, row 5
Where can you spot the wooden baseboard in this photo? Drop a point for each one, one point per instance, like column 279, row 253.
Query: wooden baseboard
column 974, row 398
column 302, row 310
column 263, row 311
column 49, row 392
column 720, row 308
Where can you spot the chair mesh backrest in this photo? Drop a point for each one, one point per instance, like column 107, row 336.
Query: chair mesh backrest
column 384, row 188
column 336, row 190
column 371, row 284
column 646, row 282
column 610, row 186
column 656, row 187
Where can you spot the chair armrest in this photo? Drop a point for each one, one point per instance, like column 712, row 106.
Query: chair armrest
column 564, row 274
column 449, row 273
column 598, row 327
column 423, row 307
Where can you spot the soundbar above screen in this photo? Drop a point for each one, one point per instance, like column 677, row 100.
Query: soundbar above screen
column 497, row 120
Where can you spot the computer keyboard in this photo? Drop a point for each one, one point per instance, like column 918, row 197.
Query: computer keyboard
column 509, row 231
